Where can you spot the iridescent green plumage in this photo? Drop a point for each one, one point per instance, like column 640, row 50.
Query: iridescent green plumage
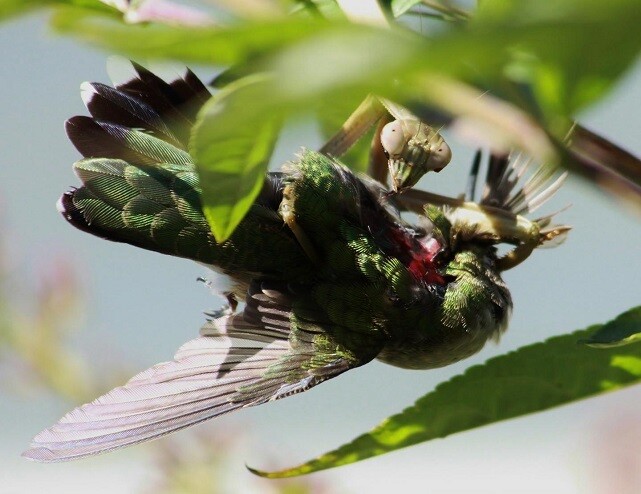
column 330, row 274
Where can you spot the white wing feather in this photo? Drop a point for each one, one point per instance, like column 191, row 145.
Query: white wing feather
column 200, row 383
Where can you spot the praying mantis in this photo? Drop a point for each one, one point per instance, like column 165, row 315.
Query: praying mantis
column 403, row 145
column 406, row 148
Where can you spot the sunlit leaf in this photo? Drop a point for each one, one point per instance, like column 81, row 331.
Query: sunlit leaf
column 299, row 85
column 623, row 330
column 563, row 48
column 189, row 44
column 399, row 7
column 531, row 379
column 232, row 159
column 12, row 8
column 364, row 11
column 328, row 9
column 331, row 120
column 486, row 120
column 553, row 55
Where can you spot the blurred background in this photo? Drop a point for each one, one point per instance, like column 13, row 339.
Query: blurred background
column 78, row 315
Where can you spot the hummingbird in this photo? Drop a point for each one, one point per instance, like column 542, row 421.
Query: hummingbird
column 326, row 274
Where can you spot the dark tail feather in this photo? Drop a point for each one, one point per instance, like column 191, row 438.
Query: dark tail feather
column 144, row 101
column 140, row 186
column 502, row 190
column 74, row 216
column 155, row 208
column 98, row 139
column 177, row 102
column 107, row 104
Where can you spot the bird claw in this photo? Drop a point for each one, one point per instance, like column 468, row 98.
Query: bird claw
column 225, row 310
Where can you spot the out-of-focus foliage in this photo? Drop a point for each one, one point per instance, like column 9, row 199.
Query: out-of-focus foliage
column 12, row 8
column 533, row 378
column 34, row 339
column 511, row 73
column 542, row 62
column 202, row 463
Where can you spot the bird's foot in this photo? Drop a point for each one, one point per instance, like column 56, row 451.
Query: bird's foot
column 225, row 310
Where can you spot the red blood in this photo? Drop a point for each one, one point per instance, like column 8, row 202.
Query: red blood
column 417, row 256
column 424, row 269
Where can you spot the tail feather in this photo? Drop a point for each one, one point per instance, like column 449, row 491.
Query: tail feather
column 502, row 179
column 108, row 104
column 158, row 208
column 502, row 190
column 146, row 206
column 166, row 110
column 177, row 102
column 140, row 185
column 97, row 139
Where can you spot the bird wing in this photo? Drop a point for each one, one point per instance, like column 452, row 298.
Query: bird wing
column 240, row 360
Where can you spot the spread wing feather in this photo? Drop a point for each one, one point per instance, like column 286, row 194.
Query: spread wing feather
column 239, row 361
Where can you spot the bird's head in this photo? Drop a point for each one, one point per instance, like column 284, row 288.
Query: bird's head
column 499, row 217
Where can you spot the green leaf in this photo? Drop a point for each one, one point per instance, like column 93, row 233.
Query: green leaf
column 563, row 48
column 328, row 9
column 399, row 7
column 331, row 118
column 531, row 379
column 549, row 58
column 232, row 154
column 624, row 330
column 235, row 134
column 442, row 9
column 190, row 44
column 12, row 8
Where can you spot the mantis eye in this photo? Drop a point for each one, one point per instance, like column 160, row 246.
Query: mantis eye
column 393, row 138
column 440, row 156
